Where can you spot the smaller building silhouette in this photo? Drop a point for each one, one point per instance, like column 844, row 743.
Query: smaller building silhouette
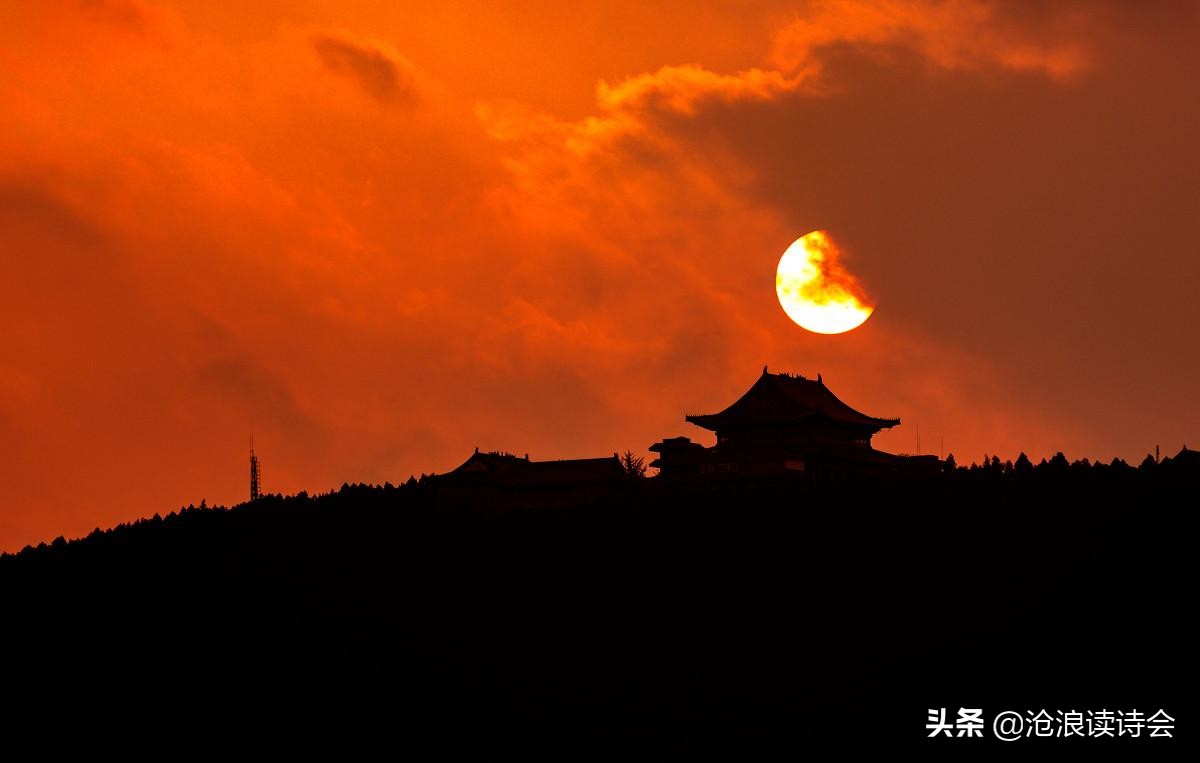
column 517, row 480
column 1185, row 461
column 783, row 424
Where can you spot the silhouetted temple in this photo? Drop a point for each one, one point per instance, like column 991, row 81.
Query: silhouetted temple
column 520, row 481
column 784, row 423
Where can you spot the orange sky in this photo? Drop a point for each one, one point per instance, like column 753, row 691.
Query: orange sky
column 383, row 235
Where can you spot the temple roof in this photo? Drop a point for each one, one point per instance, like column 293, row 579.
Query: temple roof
column 568, row 471
column 498, row 466
column 777, row 398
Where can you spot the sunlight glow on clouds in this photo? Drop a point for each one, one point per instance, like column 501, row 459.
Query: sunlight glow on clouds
column 382, row 236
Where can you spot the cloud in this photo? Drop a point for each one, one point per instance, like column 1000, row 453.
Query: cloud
column 126, row 14
column 966, row 34
column 250, row 386
column 684, row 89
column 383, row 76
column 32, row 213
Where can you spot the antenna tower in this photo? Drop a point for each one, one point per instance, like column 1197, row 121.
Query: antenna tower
column 255, row 475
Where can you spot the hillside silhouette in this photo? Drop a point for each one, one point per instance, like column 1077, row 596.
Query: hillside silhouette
column 753, row 621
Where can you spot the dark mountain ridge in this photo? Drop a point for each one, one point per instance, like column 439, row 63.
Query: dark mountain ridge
column 755, row 619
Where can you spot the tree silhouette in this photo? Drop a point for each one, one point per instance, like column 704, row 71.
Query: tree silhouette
column 1023, row 467
column 634, row 466
column 1058, row 464
column 950, row 464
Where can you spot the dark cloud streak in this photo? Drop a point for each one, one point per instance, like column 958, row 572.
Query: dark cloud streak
column 379, row 75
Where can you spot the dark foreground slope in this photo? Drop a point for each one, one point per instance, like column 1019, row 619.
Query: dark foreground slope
column 756, row 622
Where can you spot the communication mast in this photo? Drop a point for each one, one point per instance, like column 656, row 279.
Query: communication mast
column 255, row 475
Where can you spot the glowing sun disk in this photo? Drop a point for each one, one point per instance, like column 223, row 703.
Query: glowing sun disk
column 816, row 291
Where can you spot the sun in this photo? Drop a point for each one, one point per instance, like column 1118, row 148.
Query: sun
column 816, row 291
